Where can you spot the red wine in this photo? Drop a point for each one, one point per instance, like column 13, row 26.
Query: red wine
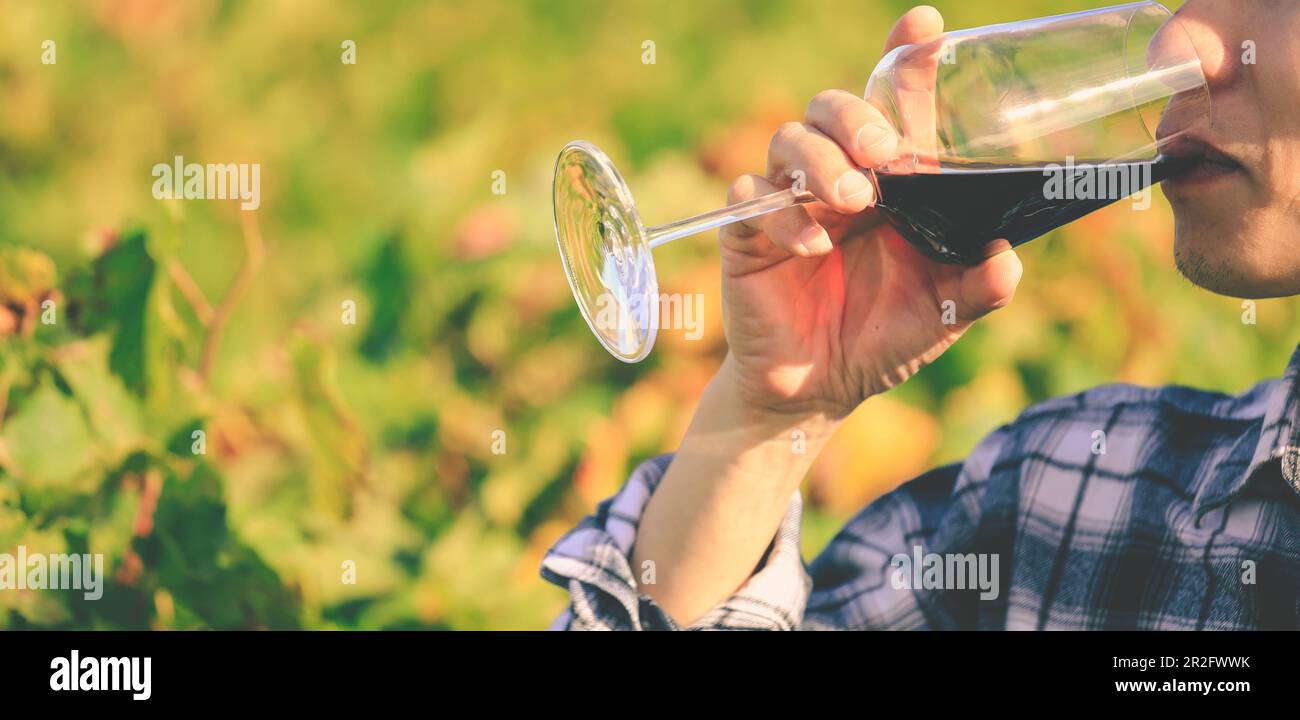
column 953, row 214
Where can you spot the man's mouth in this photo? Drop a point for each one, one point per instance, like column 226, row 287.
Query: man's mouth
column 1199, row 161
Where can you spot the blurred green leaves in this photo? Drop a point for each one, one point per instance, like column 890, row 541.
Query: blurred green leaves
column 212, row 576
column 48, row 440
column 114, row 296
column 389, row 284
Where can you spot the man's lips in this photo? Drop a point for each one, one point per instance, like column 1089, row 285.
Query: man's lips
column 1201, row 159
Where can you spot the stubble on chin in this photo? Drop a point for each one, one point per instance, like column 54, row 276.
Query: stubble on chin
column 1214, row 273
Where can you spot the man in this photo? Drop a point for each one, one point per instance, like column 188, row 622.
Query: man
column 1189, row 520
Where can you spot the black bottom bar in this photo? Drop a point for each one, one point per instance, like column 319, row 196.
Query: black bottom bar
column 332, row 670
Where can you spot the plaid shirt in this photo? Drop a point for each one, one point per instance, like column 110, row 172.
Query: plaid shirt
column 1187, row 518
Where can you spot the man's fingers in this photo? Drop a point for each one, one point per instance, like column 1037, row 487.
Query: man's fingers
column 855, row 125
column 746, row 187
column 827, row 171
column 842, row 135
column 792, row 229
column 920, row 23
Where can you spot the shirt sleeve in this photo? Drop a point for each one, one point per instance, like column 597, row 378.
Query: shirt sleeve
column 593, row 562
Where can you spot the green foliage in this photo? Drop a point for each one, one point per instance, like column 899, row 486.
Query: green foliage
column 25, row 275
column 388, row 281
column 114, row 297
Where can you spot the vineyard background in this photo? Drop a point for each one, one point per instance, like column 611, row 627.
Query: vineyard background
column 327, row 442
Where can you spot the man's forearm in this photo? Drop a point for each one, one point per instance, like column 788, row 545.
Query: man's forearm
column 721, row 501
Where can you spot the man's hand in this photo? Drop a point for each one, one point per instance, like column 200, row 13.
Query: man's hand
column 825, row 304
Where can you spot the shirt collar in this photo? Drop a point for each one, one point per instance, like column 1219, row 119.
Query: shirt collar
column 1279, row 440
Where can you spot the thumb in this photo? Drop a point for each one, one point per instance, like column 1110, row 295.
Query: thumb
column 991, row 284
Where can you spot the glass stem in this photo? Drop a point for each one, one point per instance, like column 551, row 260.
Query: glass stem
column 662, row 234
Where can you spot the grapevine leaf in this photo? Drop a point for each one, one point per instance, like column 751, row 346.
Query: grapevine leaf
column 115, row 297
column 114, row 414
column 47, row 439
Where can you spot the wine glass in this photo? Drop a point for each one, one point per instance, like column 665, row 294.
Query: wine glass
column 1005, row 132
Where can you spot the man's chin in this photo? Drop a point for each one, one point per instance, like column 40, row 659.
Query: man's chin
column 1209, row 271
column 1223, row 270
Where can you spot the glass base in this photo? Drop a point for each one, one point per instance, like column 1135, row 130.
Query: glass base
column 605, row 250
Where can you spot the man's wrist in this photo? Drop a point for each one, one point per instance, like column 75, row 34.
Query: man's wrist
column 763, row 421
column 753, row 440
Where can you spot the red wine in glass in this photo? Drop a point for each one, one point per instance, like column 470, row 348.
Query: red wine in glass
column 953, row 214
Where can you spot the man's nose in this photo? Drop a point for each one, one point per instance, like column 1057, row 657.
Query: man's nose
column 1192, row 29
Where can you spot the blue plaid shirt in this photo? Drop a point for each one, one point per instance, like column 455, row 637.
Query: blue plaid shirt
column 1119, row 508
